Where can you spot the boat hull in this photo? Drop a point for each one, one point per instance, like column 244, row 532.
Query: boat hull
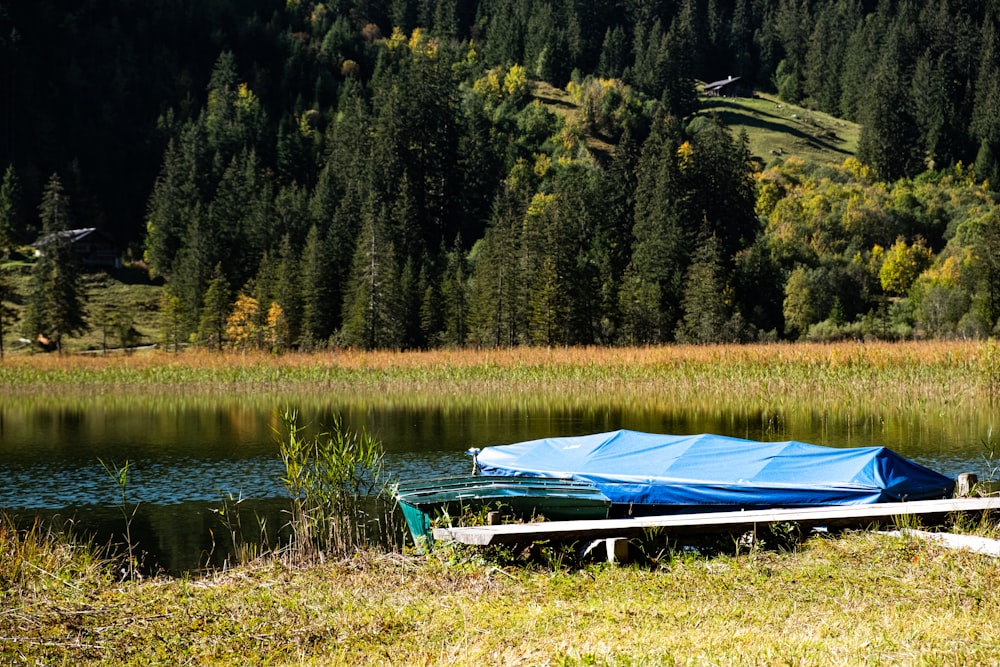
column 522, row 498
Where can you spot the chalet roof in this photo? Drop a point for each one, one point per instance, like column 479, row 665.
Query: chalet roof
column 70, row 236
column 721, row 83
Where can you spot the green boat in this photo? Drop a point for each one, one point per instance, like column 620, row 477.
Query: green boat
column 522, row 498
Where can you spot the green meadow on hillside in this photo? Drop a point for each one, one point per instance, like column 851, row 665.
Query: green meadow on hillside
column 777, row 129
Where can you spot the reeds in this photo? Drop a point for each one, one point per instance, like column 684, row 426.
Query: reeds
column 37, row 557
column 875, row 376
column 335, row 480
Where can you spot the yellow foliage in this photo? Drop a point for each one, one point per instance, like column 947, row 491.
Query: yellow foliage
column 318, row 13
column 245, row 99
column 416, row 37
column 685, row 155
column 489, row 85
column 575, row 91
column 516, row 81
column 540, row 203
column 241, row 325
column 276, row 333
column 945, row 274
column 902, row 265
column 856, row 168
column 543, row 163
column 396, row 40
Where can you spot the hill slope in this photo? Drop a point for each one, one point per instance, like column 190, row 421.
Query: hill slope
column 778, row 129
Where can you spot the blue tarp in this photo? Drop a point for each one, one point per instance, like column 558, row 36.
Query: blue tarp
column 682, row 473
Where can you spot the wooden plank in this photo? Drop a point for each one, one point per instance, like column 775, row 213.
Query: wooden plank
column 839, row 516
column 974, row 543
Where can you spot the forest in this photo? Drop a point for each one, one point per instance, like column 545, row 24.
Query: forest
column 392, row 173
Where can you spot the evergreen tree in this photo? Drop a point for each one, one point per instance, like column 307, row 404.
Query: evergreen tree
column 454, row 293
column 56, row 305
column 494, row 314
column 10, row 210
column 722, row 193
column 167, row 211
column 661, row 235
column 614, row 54
column 215, row 310
column 314, row 292
column 986, row 109
column 8, row 295
column 705, row 305
column 889, row 137
column 192, row 271
column 371, row 302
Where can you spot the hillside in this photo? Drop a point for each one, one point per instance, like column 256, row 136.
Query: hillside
column 776, row 128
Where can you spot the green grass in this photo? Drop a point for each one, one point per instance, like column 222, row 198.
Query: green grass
column 127, row 290
column 778, row 130
column 858, row 599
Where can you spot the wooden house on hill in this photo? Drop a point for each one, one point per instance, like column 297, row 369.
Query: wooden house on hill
column 93, row 248
column 733, row 86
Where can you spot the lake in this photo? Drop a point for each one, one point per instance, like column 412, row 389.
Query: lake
column 187, row 455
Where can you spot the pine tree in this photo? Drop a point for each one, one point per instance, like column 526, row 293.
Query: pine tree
column 454, row 292
column 8, row 295
column 371, row 302
column 10, row 210
column 493, row 311
column 215, row 309
column 614, row 54
column 705, row 307
column 314, row 293
column 56, row 306
column 661, row 235
column 889, row 138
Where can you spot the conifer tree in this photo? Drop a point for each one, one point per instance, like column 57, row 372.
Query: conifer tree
column 371, row 302
column 215, row 309
column 494, row 320
column 706, row 291
column 661, row 238
column 8, row 295
column 888, row 142
column 56, row 305
column 10, row 210
column 454, row 292
column 314, row 292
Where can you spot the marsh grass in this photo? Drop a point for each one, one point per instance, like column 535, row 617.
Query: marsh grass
column 869, row 377
column 241, row 548
column 336, row 481
column 37, row 557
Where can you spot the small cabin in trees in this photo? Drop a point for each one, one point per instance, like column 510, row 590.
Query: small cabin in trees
column 733, row 86
column 92, row 248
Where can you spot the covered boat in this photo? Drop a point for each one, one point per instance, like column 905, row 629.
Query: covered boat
column 519, row 497
column 646, row 473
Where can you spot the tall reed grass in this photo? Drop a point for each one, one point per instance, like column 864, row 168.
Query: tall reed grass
column 883, row 376
column 336, row 481
column 35, row 558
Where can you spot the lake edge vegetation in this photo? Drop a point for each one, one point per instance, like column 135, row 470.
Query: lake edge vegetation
column 829, row 598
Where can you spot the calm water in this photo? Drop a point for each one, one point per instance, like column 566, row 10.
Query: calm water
column 187, row 455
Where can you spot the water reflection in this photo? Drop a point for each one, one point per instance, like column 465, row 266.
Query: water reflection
column 188, row 453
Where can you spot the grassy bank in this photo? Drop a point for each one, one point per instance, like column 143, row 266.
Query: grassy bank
column 859, row 599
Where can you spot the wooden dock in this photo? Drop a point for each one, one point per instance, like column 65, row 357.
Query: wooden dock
column 841, row 516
